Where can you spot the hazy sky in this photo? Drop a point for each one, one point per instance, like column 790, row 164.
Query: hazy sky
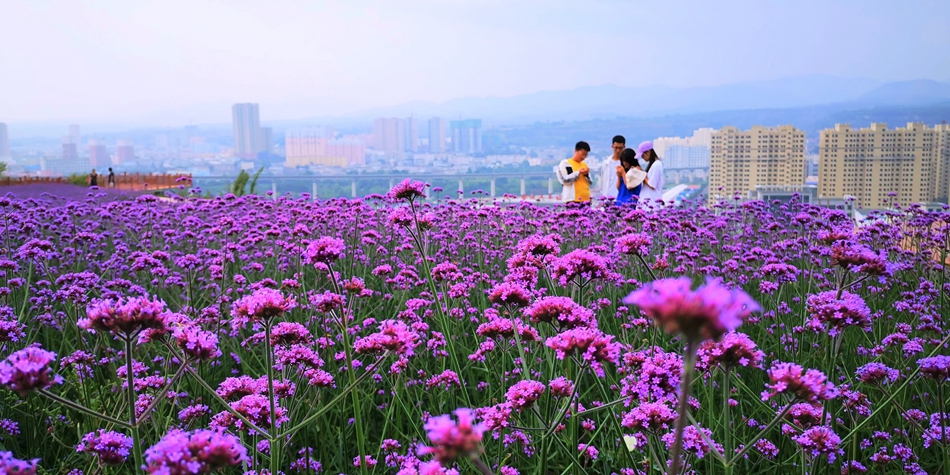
column 125, row 59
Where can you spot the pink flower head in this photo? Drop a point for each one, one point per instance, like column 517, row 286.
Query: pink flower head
column 126, row 318
column 877, row 373
column 199, row 452
column 820, row 440
column 562, row 312
column 695, row 441
column 561, row 387
column 325, row 250
column 408, row 190
column 650, row 417
column 111, row 447
column 838, row 314
column 704, row 314
column 27, row 370
column 453, row 440
column 265, row 303
column 634, row 244
column 935, row 367
column 523, row 394
column 579, row 266
column 13, row 466
column 197, row 343
column 792, row 379
column 508, row 293
column 393, row 335
column 735, row 349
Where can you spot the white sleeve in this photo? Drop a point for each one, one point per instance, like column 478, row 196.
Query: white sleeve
column 656, row 176
column 568, row 177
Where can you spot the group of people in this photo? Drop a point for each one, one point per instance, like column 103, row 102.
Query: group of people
column 635, row 175
column 94, row 178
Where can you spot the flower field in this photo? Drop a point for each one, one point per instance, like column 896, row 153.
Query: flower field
column 405, row 335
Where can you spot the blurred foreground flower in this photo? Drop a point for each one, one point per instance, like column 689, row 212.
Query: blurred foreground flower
column 453, row 440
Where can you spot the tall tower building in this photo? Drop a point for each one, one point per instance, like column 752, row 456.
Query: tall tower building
column 467, row 135
column 124, row 152
column 74, row 135
column 247, row 130
column 740, row 161
column 390, row 134
column 267, row 140
column 98, row 155
column 438, row 129
column 412, row 135
column 70, row 149
column 878, row 166
column 688, row 152
column 4, row 141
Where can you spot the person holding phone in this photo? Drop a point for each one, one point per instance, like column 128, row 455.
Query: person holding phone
column 628, row 185
column 574, row 174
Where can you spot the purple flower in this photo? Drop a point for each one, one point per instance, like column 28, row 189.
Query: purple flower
column 27, row 370
column 199, row 344
column 792, row 379
column 838, row 314
column 649, row 416
column 635, row 243
column 735, row 349
column 694, row 441
column 325, row 250
column 877, row 373
column 127, row 318
column 820, row 440
column 507, row 293
column 452, row 440
column 593, row 345
column 264, row 304
column 561, row 387
column 13, row 466
column 579, row 266
column 704, row 314
column 936, row 367
column 393, row 335
column 187, row 453
column 111, row 447
column 561, row 311
column 408, row 190
column 523, row 394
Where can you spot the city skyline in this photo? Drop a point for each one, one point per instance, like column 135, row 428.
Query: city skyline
column 516, row 48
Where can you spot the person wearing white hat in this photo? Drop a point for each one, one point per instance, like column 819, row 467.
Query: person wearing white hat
column 653, row 183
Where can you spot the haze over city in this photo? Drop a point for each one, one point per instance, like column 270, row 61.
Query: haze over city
column 180, row 62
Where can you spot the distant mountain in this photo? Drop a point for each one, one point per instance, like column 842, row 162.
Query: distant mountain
column 922, row 91
column 608, row 101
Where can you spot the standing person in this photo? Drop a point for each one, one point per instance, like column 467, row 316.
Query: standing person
column 93, row 178
column 574, row 174
column 608, row 172
column 628, row 189
column 110, row 180
column 653, row 183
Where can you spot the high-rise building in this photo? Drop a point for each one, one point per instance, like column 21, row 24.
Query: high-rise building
column 247, row 130
column 313, row 146
column 684, row 152
column 267, row 140
column 412, row 135
column 467, row 135
column 4, row 141
column 438, row 129
column 124, row 152
column 878, row 166
column 98, row 155
column 741, row 161
column 70, row 150
column 74, row 135
column 390, row 134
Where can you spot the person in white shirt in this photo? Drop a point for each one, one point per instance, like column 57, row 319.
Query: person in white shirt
column 653, row 184
column 608, row 171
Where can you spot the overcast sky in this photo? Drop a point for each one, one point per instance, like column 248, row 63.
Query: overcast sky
column 98, row 60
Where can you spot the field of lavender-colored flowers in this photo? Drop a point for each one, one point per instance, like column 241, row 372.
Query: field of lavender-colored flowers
column 398, row 334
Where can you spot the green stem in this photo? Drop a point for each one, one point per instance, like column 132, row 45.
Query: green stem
column 772, row 424
column 227, row 406
column 683, row 406
column 130, row 380
column 164, row 391
column 83, row 409
column 273, row 442
column 727, row 430
column 941, row 405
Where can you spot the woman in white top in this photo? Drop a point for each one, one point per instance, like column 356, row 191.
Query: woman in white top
column 653, row 184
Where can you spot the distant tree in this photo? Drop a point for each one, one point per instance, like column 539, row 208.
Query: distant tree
column 3, row 167
column 238, row 187
column 78, row 179
column 254, row 180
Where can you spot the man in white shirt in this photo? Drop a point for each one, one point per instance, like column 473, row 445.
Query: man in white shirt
column 608, row 171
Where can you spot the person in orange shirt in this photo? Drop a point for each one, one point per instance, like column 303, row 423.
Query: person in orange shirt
column 574, row 174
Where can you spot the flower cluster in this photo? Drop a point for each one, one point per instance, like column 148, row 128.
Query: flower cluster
column 202, row 451
column 111, row 447
column 27, row 370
